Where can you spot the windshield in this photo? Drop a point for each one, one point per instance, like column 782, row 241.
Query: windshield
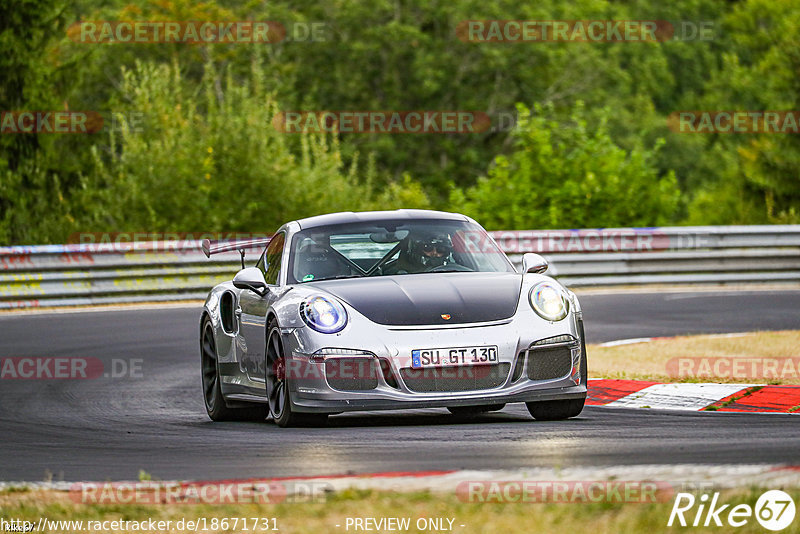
column 391, row 247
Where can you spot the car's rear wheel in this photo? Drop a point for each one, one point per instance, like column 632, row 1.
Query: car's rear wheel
column 468, row 411
column 212, row 393
column 278, row 391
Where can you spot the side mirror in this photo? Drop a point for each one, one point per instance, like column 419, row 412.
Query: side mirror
column 533, row 263
column 250, row 278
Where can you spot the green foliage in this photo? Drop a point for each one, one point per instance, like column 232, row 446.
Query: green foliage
column 33, row 208
column 564, row 174
column 755, row 176
column 27, row 28
column 406, row 55
column 405, row 193
column 37, row 172
column 209, row 158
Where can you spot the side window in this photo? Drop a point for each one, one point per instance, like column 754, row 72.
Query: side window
column 260, row 263
column 273, row 259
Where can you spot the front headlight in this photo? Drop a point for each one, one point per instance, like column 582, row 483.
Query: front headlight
column 549, row 301
column 323, row 314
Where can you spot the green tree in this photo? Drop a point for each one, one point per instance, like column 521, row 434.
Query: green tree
column 564, row 174
column 36, row 171
column 755, row 176
column 210, row 159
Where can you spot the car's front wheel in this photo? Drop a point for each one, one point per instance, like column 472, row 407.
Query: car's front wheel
column 212, row 393
column 278, row 391
column 555, row 410
column 563, row 409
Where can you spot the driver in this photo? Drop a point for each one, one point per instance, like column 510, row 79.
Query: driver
column 422, row 252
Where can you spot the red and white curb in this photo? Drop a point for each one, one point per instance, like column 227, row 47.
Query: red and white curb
column 676, row 475
column 694, row 397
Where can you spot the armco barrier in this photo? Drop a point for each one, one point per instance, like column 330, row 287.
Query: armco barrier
column 69, row 275
column 73, row 275
column 674, row 255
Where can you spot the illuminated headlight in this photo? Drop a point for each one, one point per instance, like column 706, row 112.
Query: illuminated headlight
column 323, row 314
column 549, row 301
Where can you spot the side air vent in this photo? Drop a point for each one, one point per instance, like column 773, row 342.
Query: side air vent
column 226, row 306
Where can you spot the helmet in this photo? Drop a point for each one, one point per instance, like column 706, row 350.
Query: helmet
column 430, row 250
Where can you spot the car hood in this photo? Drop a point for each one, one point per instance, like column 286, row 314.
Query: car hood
column 430, row 298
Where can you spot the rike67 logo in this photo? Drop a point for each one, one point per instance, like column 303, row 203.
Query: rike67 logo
column 774, row 510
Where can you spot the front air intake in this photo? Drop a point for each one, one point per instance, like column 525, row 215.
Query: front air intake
column 352, row 374
column 549, row 363
column 461, row 378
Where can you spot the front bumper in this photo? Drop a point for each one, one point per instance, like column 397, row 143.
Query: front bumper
column 375, row 401
column 389, row 350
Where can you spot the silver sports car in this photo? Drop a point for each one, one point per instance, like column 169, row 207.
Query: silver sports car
column 388, row 310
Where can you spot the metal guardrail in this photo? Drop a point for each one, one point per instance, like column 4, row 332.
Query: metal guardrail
column 669, row 255
column 71, row 275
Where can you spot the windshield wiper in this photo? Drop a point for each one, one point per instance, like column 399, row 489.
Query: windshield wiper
column 339, row 277
column 446, row 271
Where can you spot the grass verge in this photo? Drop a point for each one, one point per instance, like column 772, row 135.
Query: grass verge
column 758, row 357
column 322, row 517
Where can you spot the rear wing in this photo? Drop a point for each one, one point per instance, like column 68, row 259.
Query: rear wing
column 227, row 245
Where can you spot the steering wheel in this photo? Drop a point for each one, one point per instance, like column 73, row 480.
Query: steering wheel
column 449, row 267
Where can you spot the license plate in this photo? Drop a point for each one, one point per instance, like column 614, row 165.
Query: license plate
column 453, row 356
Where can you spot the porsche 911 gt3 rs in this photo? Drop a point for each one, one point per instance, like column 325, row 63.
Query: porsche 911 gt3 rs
column 388, row 310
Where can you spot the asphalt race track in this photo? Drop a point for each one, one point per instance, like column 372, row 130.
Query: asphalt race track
column 110, row 428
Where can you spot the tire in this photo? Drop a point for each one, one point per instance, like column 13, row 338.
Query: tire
column 212, row 393
column 278, row 390
column 564, row 409
column 469, row 411
column 555, row 410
